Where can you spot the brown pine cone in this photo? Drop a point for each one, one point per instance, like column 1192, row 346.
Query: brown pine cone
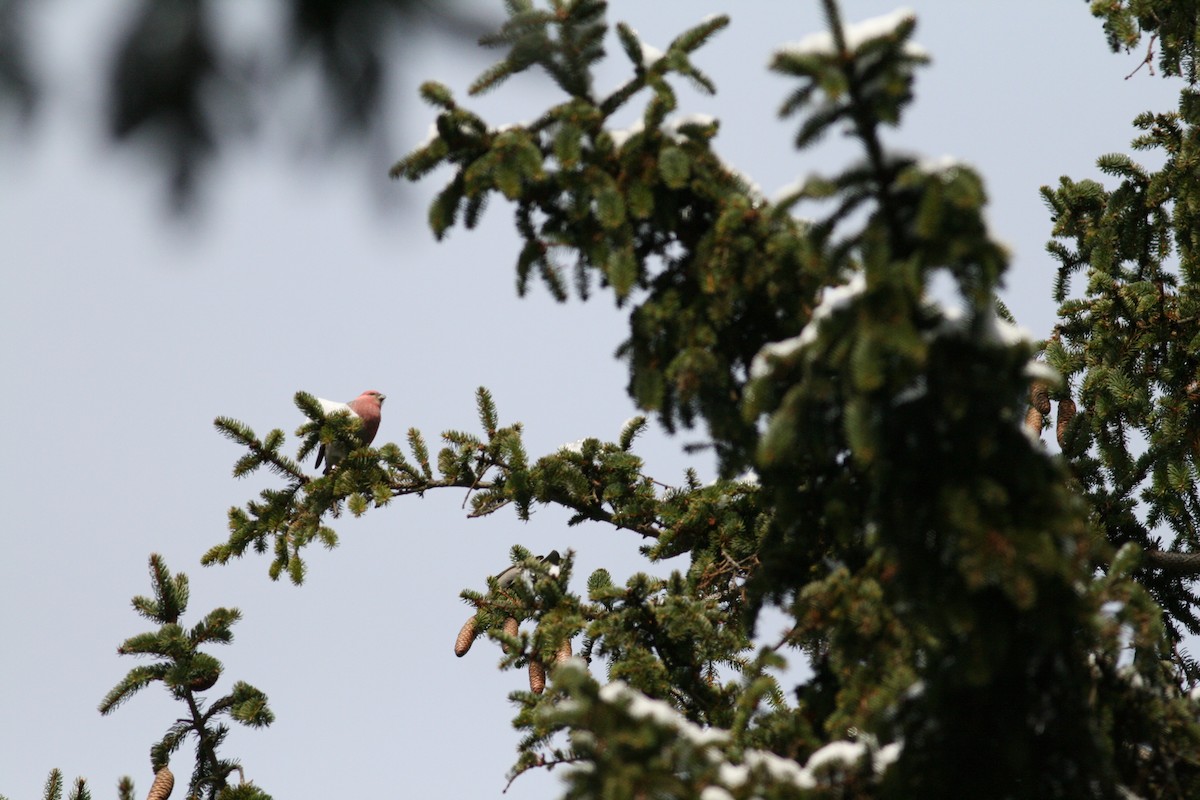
column 1066, row 412
column 164, row 782
column 537, row 676
column 564, row 652
column 1033, row 422
column 1039, row 397
column 202, row 683
column 511, row 628
column 205, row 672
column 466, row 637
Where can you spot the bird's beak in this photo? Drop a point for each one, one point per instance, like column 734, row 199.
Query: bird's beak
column 382, row 397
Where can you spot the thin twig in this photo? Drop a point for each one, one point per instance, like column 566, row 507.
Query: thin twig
column 785, row 639
column 542, row 761
column 1148, row 61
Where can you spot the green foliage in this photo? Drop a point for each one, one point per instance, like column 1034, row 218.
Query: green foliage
column 638, row 747
column 981, row 617
column 186, row 671
column 652, row 212
column 664, row 637
column 292, row 518
column 1172, row 26
column 602, row 482
column 1128, row 346
column 54, row 786
column 243, row 791
column 865, row 81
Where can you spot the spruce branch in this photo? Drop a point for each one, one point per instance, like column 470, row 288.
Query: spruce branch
column 54, row 785
column 185, row 670
column 866, row 123
column 1177, row 563
column 542, row 762
column 137, row 679
column 603, row 483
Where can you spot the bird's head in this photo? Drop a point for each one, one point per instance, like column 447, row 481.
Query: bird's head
column 373, row 395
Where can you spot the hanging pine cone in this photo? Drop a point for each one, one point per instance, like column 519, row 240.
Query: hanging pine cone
column 164, row 782
column 564, row 652
column 466, row 637
column 1033, row 422
column 1039, row 397
column 1066, row 412
column 204, row 673
column 511, row 628
column 204, row 682
column 537, row 676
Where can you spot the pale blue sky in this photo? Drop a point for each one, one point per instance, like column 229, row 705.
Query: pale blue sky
column 123, row 335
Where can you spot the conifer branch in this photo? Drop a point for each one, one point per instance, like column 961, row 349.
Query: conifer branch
column 596, row 513
column 1148, row 61
column 1177, row 563
column 184, row 670
column 542, row 762
column 495, row 471
column 865, row 124
column 54, row 785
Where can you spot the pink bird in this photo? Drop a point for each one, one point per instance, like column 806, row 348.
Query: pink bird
column 368, row 407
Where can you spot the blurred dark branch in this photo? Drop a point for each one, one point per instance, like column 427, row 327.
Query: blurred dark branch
column 178, row 93
column 16, row 80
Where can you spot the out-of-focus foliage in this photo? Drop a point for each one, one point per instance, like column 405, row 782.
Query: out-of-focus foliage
column 179, row 90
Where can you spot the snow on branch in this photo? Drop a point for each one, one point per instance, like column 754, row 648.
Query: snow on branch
column 857, row 34
column 833, row 299
column 755, row 765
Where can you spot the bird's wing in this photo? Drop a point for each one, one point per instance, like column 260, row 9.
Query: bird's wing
column 509, row 575
column 334, row 453
column 329, row 407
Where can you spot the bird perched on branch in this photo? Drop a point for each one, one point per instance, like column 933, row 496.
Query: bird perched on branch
column 506, row 578
column 368, row 407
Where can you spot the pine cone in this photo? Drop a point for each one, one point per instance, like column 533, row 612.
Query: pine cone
column 511, row 628
column 204, row 681
column 204, row 673
column 1039, row 397
column 1066, row 413
column 466, row 637
column 1033, row 422
column 537, row 676
column 164, row 782
column 564, row 652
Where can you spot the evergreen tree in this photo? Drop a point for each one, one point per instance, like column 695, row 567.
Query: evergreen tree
column 983, row 615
